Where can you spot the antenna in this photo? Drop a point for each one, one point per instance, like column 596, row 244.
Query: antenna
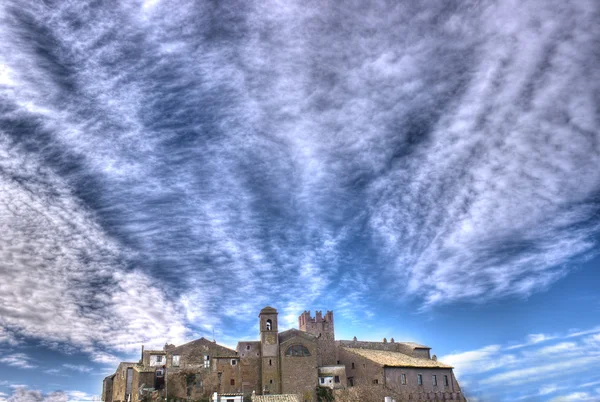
column 214, row 336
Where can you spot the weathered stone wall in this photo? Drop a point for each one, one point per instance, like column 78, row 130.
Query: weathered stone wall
column 393, row 380
column 191, row 378
column 107, row 389
column 359, row 370
column 120, row 381
column 250, row 361
column 299, row 373
column 143, row 378
column 231, row 379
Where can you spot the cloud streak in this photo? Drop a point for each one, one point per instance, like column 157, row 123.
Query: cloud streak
column 168, row 166
column 503, row 373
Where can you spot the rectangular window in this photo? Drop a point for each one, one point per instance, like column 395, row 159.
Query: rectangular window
column 159, row 359
column 403, row 378
column 376, row 381
column 206, row 361
column 419, row 379
column 434, row 380
column 336, row 379
column 175, row 360
column 352, row 365
column 198, row 383
column 446, row 380
column 270, row 381
column 233, row 362
column 232, row 382
column 322, row 380
column 350, row 381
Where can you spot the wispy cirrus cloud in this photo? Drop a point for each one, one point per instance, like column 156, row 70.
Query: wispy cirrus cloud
column 287, row 154
column 532, row 372
column 19, row 360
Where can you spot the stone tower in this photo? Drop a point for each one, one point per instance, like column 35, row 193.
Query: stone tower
column 322, row 328
column 269, row 344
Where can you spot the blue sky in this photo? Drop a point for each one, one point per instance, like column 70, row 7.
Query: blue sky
column 427, row 170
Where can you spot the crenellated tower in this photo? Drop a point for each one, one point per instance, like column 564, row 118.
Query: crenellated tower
column 322, row 328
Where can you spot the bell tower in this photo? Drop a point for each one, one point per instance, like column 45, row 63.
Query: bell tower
column 269, row 344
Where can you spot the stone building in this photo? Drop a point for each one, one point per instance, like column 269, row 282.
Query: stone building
column 292, row 362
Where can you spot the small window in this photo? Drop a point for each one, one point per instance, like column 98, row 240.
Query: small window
column 232, row 382
column 159, row 373
column 233, row 362
column 269, row 325
column 175, row 360
column 270, row 381
column 322, row 380
column 419, row 379
column 403, row 378
column 350, row 381
column 434, row 380
column 376, row 381
column 159, row 359
column 247, row 347
column 446, row 380
column 199, row 384
column 336, row 379
column 270, row 362
column 338, row 362
column 206, row 361
column 352, row 365
column 364, row 365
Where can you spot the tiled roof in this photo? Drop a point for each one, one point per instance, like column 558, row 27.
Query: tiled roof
column 415, row 345
column 396, row 359
column 275, row 398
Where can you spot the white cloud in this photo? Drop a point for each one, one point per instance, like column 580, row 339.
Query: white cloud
column 19, row 360
column 527, row 373
column 456, row 146
column 22, row 394
column 575, row 397
column 78, row 367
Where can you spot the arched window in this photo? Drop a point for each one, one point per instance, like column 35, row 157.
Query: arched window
column 269, row 325
column 297, row 350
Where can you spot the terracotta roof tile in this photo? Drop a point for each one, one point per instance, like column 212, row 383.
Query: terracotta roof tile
column 396, row 359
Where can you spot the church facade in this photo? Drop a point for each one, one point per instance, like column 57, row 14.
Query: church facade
column 293, row 362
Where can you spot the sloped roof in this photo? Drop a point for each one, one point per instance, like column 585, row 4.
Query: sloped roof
column 396, row 359
column 415, row 345
column 293, row 332
column 276, row 398
column 268, row 310
column 225, row 351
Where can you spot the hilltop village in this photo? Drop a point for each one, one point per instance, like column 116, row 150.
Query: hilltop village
column 305, row 364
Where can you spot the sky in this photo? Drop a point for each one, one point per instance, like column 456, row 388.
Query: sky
column 427, row 170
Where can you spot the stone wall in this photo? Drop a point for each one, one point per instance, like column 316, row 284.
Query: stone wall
column 299, row 373
column 107, row 389
column 393, row 380
column 359, row 370
column 250, row 361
